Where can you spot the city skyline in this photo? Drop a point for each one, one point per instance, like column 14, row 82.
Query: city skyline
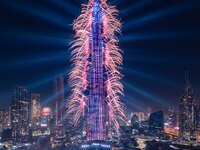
column 88, row 75
column 154, row 60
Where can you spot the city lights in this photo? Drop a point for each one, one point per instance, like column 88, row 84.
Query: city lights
column 46, row 111
column 81, row 75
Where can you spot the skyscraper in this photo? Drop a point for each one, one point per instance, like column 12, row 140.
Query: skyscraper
column 198, row 122
column 59, row 109
column 95, row 77
column 35, row 109
column 187, row 111
column 7, row 119
column 45, row 120
column 20, row 114
column 45, row 117
column 2, row 120
column 156, row 123
column 59, row 99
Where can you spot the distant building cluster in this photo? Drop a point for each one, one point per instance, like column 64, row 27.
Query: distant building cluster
column 27, row 121
column 183, row 126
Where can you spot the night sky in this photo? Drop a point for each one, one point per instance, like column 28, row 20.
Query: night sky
column 160, row 40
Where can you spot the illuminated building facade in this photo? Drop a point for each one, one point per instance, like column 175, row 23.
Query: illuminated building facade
column 45, row 121
column 2, row 120
column 171, row 124
column 20, row 114
column 7, row 120
column 198, row 122
column 187, row 111
column 95, row 77
column 35, row 109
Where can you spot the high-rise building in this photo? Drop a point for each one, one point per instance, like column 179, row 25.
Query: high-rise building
column 35, row 109
column 45, row 117
column 156, row 123
column 59, row 100
column 45, row 120
column 59, row 110
column 7, row 119
column 187, row 111
column 198, row 122
column 20, row 114
column 95, row 77
column 2, row 120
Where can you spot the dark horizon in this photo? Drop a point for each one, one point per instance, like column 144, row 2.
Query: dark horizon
column 160, row 40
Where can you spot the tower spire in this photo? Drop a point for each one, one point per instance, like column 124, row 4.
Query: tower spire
column 95, row 77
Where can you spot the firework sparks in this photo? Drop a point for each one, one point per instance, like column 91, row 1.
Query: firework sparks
column 96, row 60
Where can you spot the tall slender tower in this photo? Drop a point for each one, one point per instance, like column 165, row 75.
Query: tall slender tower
column 187, row 110
column 95, row 77
column 59, row 98
column 35, row 109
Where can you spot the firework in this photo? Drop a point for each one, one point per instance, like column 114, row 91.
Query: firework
column 95, row 77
